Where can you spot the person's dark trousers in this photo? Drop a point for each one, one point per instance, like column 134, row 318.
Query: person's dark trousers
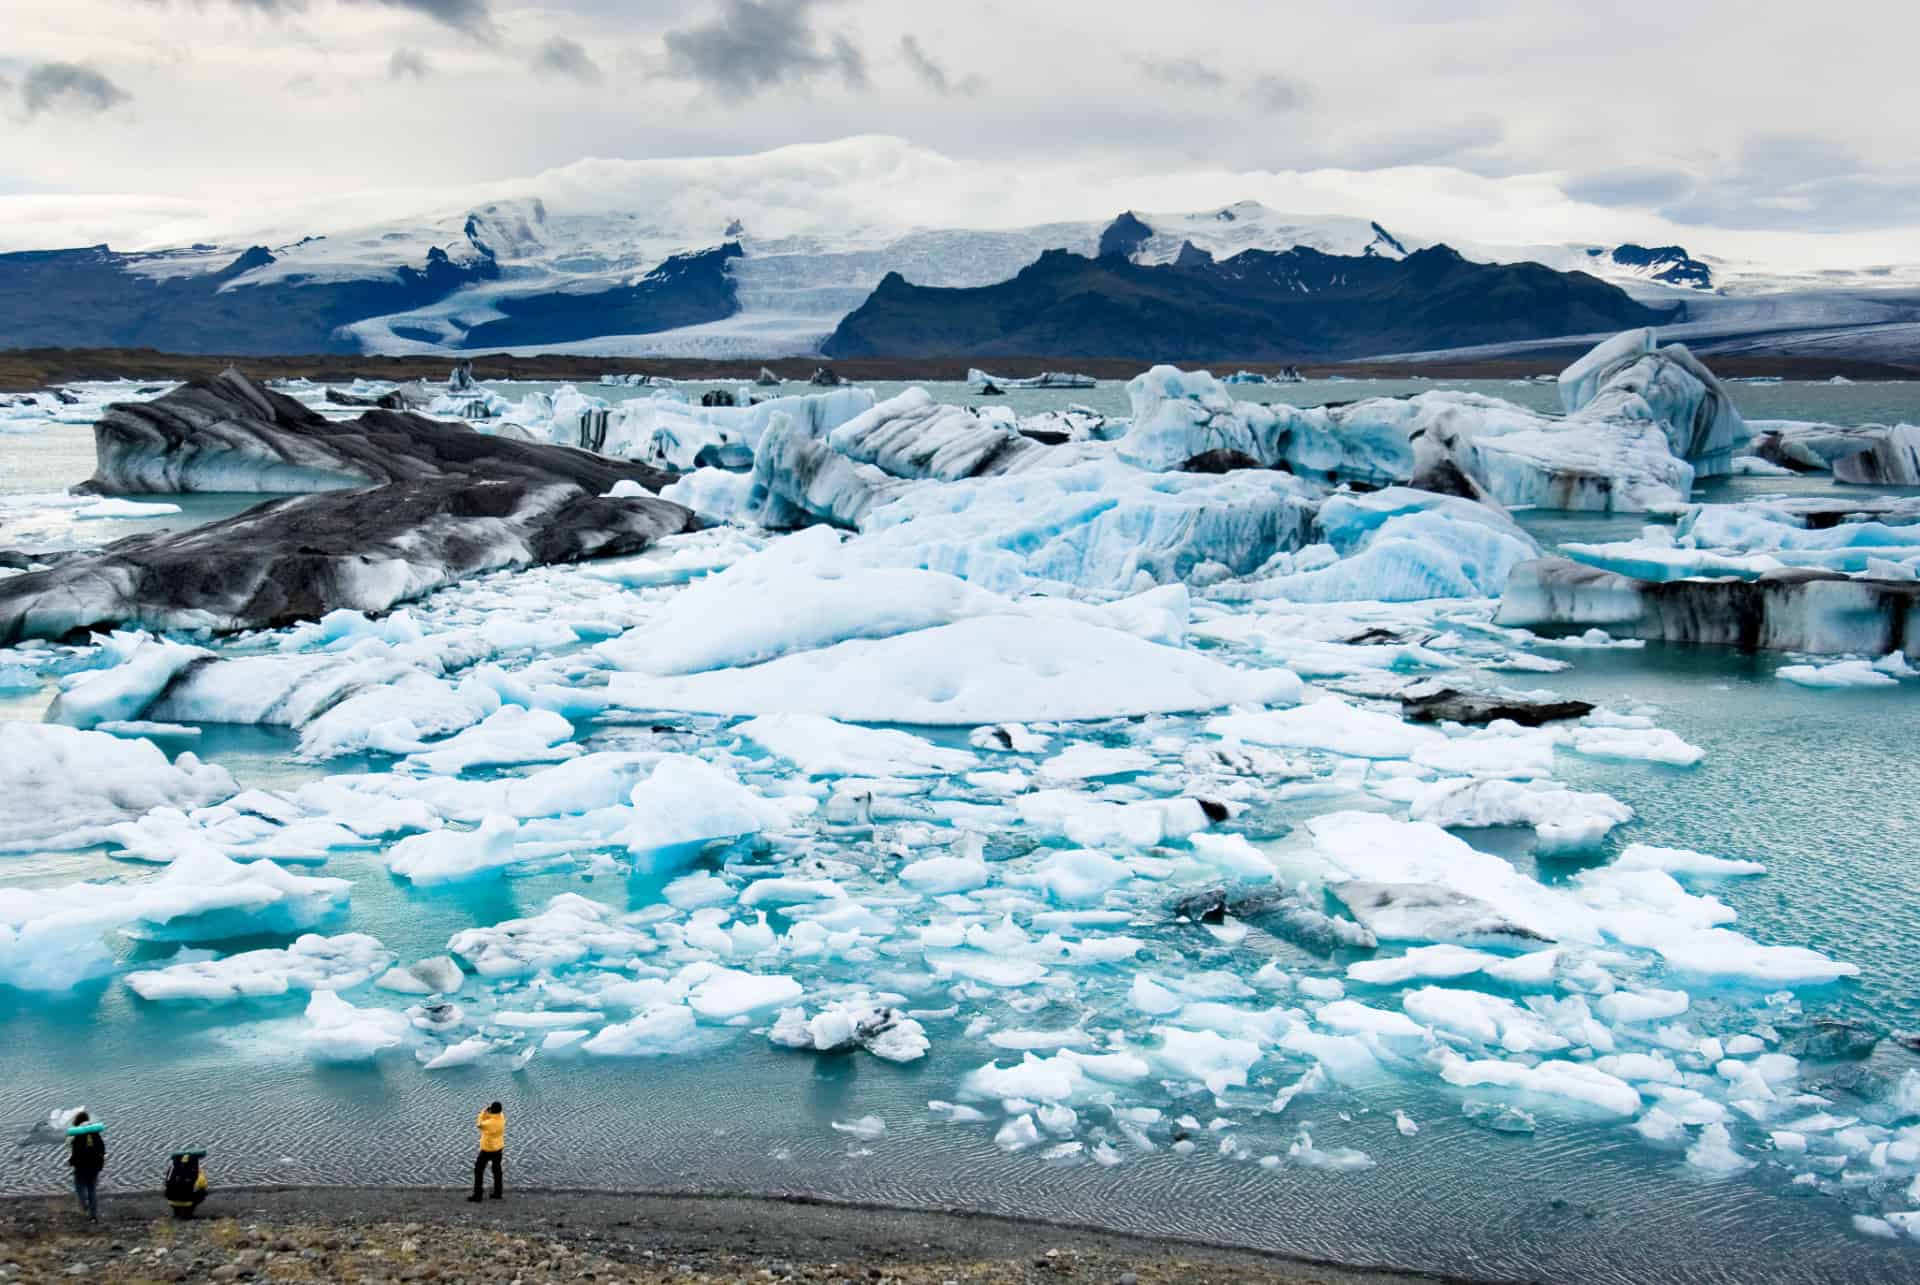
column 87, row 1189
column 480, row 1163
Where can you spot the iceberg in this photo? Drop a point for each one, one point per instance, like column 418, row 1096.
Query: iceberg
column 311, row 963
column 1788, row 610
column 988, row 669
column 401, row 505
column 63, row 788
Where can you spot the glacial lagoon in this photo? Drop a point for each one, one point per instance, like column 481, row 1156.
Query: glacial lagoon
column 1233, row 1081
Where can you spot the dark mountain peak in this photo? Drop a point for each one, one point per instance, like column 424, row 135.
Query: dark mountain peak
column 735, row 229
column 1124, row 235
column 1381, row 234
column 257, row 256
column 1192, row 257
column 1669, row 263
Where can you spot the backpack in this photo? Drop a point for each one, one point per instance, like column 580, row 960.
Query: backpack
column 89, row 1154
column 183, row 1173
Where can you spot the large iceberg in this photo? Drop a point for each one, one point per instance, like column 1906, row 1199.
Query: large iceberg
column 449, row 504
column 1641, row 423
column 988, row 669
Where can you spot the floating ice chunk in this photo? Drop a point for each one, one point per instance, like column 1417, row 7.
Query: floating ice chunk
column 1483, row 1019
column 1863, row 1223
column 866, row 1127
column 1563, row 820
column 1839, row 673
column 658, row 1031
column 1554, row 1078
column 1683, row 861
column 311, row 963
column 1083, row 819
column 571, row 929
column 1713, row 1151
column 336, row 1031
column 1214, row 1060
column 1629, row 1008
column 466, row 1052
column 1421, row 961
column 1329, row 724
column 797, row 595
column 1099, row 526
column 508, row 735
column 50, row 938
column 1075, row 877
column 857, row 1023
column 938, row 876
column 1354, row 1018
column 983, row 670
column 1017, row 1134
column 1302, row 1152
column 1404, row 1123
column 1652, row 745
column 1083, row 761
column 725, row 993
column 822, row 747
column 140, row 668
column 449, row 855
column 388, row 718
column 62, row 788
column 686, row 800
column 701, row 888
column 437, row 975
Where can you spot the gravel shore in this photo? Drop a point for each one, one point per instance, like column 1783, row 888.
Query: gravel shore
column 377, row 1235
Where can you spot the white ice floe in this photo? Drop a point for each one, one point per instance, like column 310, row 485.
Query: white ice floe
column 311, row 963
column 64, row 788
column 822, row 747
column 989, row 669
column 337, row 1031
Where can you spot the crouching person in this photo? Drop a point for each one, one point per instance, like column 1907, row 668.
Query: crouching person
column 186, row 1182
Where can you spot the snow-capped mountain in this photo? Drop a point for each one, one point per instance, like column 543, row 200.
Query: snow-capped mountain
column 668, row 275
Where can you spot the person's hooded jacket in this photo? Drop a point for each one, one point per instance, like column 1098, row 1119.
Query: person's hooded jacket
column 493, row 1130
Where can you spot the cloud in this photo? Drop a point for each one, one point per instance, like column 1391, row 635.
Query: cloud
column 469, row 16
column 751, row 45
column 69, row 87
column 1183, row 73
column 1636, row 187
column 560, row 56
column 407, row 64
column 1797, row 182
column 1277, row 94
column 933, row 75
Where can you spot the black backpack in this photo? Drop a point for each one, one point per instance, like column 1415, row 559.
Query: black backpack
column 182, row 1175
column 89, row 1154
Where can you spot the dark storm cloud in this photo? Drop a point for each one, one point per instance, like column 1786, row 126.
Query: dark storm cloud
column 750, row 45
column 932, row 74
column 1183, row 73
column 407, row 64
column 69, row 87
column 560, row 56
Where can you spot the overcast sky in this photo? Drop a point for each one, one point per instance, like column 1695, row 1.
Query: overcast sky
column 1738, row 126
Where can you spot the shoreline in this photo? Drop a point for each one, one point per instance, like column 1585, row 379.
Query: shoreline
column 410, row 1234
column 28, row 369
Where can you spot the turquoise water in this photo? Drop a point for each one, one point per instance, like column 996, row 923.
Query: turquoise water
column 1818, row 784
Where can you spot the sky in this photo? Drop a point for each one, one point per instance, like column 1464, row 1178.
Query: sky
column 1739, row 127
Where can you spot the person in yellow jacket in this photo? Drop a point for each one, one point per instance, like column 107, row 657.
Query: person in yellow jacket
column 493, row 1141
